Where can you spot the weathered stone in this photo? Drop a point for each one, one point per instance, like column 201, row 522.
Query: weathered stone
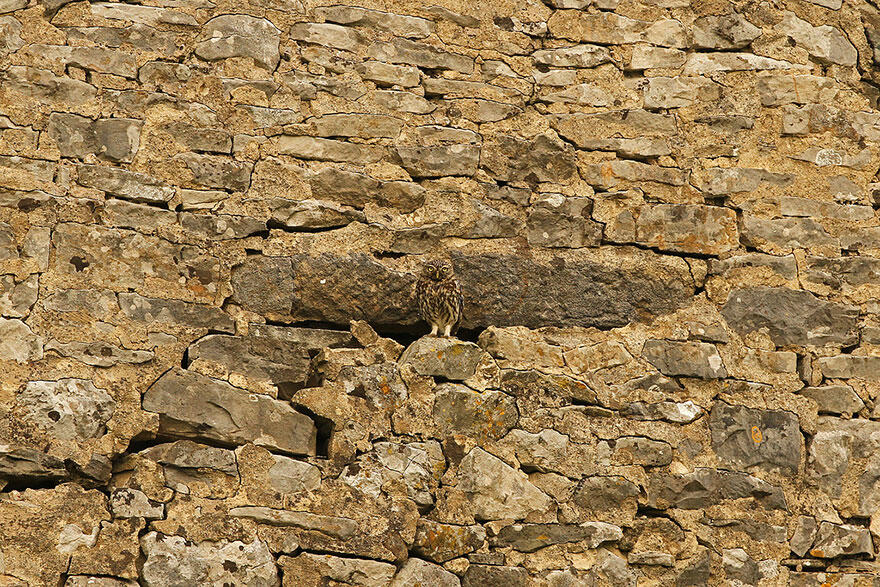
column 12, row 5
column 608, row 28
column 174, row 312
column 837, row 452
column 841, row 273
column 825, row 43
column 767, row 439
column 783, row 235
column 418, row 572
column 791, row 317
column 739, row 566
column 264, row 285
column 172, row 560
column 98, row 59
column 29, row 465
column 140, row 217
column 420, row 55
column 214, row 171
column 449, row 358
column 404, row 26
column 329, row 35
column 583, row 94
column 727, row 31
column 149, row 15
column 46, row 87
column 678, row 92
column 196, row 469
column 689, row 359
column 498, row 491
column 530, row 384
column 650, row 57
column 415, row 467
column 313, row 214
column 637, row 450
column 329, row 150
column 99, row 354
column 263, row 117
column 826, row 157
column 847, row 366
column 123, row 184
column 495, row 576
column 17, row 298
column 292, row 476
column 220, row 226
column 678, row 413
column 705, row 487
column 132, row 503
column 311, row 569
column 443, row 542
column 403, row 102
column 685, row 228
column 335, row 526
column 557, row 221
column 609, row 174
column 357, row 189
column 804, row 535
column 708, row 63
column 459, row 410
column 632, row 124
column 543, row 159
column 440, row 161
column 781, row 89
column 256, row 363
column 783, row 266
column 581, row 56
column 834, row 399
column 87, row 581
column 357, row 125
column 531, row 537
column 18, row 342
column 194, row 406
column 240, row 35
column 835, row 540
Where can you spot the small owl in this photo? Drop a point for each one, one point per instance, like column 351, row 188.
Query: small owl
column 439, row 296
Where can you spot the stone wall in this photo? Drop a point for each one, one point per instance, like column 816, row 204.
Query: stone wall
column 662, row 213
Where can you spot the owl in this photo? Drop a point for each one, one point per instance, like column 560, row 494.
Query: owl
column 439, row 297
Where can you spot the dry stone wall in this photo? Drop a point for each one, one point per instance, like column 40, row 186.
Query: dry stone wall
column 663, row 216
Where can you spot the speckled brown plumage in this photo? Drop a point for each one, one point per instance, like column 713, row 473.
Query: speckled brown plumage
column 439, row 297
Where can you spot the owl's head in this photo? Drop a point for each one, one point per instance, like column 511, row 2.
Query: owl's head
column 438, row 270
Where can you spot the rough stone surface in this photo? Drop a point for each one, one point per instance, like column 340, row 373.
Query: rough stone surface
column 691, row 359
column 662, row 215
column 448, row 358
column 766, row 439
column 791, row 317
column 498, row 491
column 173, row 561
column 194, row 406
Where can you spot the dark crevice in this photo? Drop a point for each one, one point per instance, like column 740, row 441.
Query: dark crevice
column 275, row 225
column 324, row 428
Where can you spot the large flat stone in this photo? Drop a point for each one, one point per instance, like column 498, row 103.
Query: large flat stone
column 459, row 410
column 498, row 491
column 689, row 359
column 240, row 35
column 71, row 410
column 791, row 317
column 706, row 487
column 172, row 560
column 766, row 439
column 498, row 290
column 192, row 406
column 176, row 312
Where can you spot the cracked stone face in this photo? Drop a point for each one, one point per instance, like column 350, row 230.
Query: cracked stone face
column 662, row 216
